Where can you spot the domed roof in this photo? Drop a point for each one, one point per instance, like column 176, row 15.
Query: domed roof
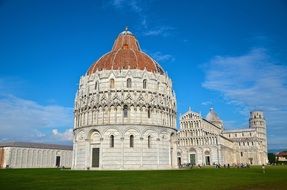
column 126, row 54
column 213, row 117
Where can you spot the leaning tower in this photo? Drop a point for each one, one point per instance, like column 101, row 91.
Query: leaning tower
column 257, row 121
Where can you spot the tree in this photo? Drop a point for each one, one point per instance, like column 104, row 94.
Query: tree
column 271, row 158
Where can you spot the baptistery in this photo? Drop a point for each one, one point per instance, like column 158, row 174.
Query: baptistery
column 125, row 112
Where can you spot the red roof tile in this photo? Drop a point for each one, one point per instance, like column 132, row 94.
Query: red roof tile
column 126, row 54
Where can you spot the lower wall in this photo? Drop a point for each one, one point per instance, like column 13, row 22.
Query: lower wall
column 153, row 148
column 38, row 158
column 1, row 157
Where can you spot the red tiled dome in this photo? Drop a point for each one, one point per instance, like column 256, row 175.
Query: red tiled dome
column 125, row 54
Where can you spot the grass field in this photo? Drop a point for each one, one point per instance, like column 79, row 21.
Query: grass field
column 203, row 178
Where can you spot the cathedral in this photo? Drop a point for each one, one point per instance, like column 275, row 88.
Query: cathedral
column 125, row 118
column 203, row 141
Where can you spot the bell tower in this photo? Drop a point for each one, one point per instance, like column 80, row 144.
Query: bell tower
column 257, row 121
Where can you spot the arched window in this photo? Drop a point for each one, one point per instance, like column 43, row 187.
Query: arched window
column 125, row 110
column 131, row 141
column 96, row 85
column 112, row 141
column 158, row 86
column 148, row 141
column 144, row 84
column 148, row 112
column 112, row 83
column 129, row 83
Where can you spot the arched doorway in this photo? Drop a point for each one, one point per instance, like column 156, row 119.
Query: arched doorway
column 192, row 156
column 207, row 157
column 95, row 140
column 179, row 159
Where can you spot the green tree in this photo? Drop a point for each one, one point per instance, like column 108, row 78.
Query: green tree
column 271, row 158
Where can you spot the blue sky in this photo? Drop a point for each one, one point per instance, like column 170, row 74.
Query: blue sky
column 230, row 55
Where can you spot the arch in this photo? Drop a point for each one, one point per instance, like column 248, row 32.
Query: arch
column 129, row 130
column 94, row 136
column 192, row 150
column 207, row 152
column 113, row 128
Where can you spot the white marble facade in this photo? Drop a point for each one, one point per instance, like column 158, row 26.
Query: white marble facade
column 203, row 141
column 33, row 155
column 125, row 119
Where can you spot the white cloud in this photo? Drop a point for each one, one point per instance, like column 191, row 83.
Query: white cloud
column 252, row 81
column 159, row 31
column 131, row 4
column 67, row 135
column 26, row 120
column 207, row 103
column 140, row 8
column 160, row 57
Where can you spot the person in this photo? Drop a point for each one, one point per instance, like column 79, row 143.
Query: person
column 263, row 168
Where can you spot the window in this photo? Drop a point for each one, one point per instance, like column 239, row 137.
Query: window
column 241, row 153
column 148, row 141
column 242, row 134
column 148, row 112
column 125, row 111
column 144, row 84
column 129, row 83
column 112, row 83
column 131, row 141
column 235, row 135
column 112, row 141
column 158, row 86
column 96, row 85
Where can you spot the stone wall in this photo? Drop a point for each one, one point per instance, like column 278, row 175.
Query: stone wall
column 151, row 150
column 18, row 157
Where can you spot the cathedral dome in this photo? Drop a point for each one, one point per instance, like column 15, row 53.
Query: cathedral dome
column 126, row 54
column 213, row 118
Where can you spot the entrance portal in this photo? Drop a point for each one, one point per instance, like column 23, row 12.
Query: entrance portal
column 179, row 161
column 192, row 159
column 95, row 157
column 207, row 160
column 58, row 161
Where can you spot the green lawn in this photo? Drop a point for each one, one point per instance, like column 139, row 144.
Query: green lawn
column 204, row 178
